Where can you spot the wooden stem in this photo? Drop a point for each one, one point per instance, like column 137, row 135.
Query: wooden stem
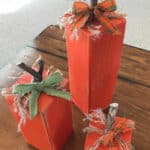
column 37, row 75
column 94, row 2
column 111, row 115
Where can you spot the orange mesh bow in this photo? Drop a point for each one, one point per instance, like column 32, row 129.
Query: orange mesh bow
column 113, row 136
column 119, row 128
column 102, row 12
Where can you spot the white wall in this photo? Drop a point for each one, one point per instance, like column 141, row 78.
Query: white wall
column 19, row 27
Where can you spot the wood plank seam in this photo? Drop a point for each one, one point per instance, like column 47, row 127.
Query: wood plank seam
column 132, row 81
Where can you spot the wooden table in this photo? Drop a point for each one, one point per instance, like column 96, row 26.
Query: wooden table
column 132, row 91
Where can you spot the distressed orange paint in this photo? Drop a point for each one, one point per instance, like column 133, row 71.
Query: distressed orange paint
column 93, row 65
column 51, row 128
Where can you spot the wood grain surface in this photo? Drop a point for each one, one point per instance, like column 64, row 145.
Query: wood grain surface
column 132, row 91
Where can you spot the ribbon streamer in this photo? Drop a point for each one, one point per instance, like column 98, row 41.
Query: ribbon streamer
column 48, row 86
column 103, row 12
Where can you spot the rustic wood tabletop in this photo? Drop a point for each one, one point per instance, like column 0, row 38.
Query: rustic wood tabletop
column 132, row 90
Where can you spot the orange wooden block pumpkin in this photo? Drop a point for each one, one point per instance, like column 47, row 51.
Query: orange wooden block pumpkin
column 125, row 138
column 108, row 132
column 94, row 64
column 50, row 129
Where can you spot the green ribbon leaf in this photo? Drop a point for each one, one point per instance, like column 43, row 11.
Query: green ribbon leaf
column 53, row 79
column 47, row 86
column 33, row 103
column 22, row 89
column 57, row 93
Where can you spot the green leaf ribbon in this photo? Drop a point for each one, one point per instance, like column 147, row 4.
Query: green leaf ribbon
column 47, row 86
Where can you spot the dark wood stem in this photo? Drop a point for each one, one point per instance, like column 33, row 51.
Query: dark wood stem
column 37, row 75
column 94, row 2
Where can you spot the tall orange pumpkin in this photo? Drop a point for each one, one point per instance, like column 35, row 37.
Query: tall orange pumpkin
column 93, row 56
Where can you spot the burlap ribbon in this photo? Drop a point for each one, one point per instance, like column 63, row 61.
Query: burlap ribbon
column 48, row 86
column 103, row 11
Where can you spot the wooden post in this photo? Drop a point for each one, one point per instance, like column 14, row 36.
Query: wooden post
column 111, row 115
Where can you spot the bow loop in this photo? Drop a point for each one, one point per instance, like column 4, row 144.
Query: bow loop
column 53, row 80
column 23, row 89
column 107, row 6
column 80, row 8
